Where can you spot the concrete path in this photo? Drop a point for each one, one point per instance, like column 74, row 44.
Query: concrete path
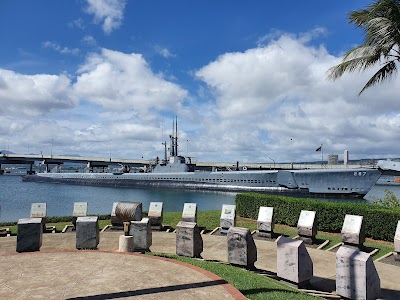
column 76, row 274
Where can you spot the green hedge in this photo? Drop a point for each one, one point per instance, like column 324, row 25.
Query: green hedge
column 380, row 223
column 57, row 220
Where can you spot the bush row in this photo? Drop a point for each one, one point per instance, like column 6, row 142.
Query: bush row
column 57, row 220
column 380, row 223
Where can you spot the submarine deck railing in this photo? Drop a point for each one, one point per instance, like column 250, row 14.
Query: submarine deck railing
column 98, row 162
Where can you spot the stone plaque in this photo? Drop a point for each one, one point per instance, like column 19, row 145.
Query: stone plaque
column 228, row 217
column 265, row 214
column 155, row 209
column 397, row 240
column 356, row 275
column 352, row 224
column 265, row 221
column 38, row 210
column 306, row 225
column 156, row 213
column 306, row 218
column 189, row 212
column 353, row 230
column 80, row 209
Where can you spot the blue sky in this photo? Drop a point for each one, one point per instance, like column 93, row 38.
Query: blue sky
column 247, row 80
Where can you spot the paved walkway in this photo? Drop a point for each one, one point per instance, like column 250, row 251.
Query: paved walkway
column 60, row 272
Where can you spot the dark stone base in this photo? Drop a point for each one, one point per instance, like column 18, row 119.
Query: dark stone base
column 397, row 256
column 117, row 222
column 307, row 239
column 157, row 228
column 354, row 246
column 223, row 231
column 267, row 234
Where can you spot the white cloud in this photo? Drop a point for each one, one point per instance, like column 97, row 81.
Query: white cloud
column 78, row 23
column 60, row 49
column 108, row 12
column 34, row 95
column 275, row 101
column 165, row 53
column 89, row 40
column 119, row 81
column 270, row 102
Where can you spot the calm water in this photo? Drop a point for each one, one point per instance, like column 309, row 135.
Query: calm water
column 16, row 197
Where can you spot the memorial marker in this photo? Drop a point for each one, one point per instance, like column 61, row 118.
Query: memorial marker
column 142, row 235
column 188, row 239
column 241, row 247
column 128, row 212
column 189, row 213
column 294, row 264
column 397, row 241
column 307, row 226
column 29, row 236
column 39, row 210
column 87, row 233
column 353, row 230
column 228, row 217
column 80, row 210
column 356, row 275
column 156, row 214
column 266, row 222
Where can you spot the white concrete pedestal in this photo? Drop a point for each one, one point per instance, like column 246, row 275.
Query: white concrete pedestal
column 125, row 243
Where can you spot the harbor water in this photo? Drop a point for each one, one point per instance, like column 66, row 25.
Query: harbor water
column 17, row 196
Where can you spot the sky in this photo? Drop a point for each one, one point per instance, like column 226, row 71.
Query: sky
column 247, row 80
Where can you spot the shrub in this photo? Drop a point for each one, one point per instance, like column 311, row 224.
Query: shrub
column 389, row 201
column 380, row 223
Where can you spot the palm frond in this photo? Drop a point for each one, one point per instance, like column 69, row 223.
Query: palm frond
column 381, row 24
column 382, row 31
column 383, row 73
column 358, row 59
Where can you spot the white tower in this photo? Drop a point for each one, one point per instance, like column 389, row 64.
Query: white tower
column 346, row 157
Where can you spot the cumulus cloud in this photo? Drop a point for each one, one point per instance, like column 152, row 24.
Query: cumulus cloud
column 119, row 81
column 269, row 102
column 276, row 97
column 89, row 40
column 164, row 52
column 63, row 50
column 78, row 23
column 109, row 13
column 34, row 95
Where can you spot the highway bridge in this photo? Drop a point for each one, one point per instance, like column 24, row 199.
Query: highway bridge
column 97, row 162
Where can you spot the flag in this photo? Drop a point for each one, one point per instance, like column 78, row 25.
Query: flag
column 319, row 149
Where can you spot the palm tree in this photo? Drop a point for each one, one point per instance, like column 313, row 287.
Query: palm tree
column 381, row 24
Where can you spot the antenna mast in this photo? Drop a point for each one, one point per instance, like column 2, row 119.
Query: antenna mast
column 176, row 136
column 172, row 140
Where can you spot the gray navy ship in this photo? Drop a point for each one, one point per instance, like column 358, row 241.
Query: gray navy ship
column 178, row 172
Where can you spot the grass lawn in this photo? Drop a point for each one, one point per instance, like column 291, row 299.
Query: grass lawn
column 250, row 284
